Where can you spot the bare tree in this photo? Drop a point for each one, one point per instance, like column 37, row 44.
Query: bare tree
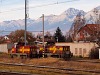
column 18, row 36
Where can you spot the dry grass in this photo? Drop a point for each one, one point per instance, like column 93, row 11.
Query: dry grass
column 53, row 62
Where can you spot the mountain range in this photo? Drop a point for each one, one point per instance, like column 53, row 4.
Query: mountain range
column 51, row 22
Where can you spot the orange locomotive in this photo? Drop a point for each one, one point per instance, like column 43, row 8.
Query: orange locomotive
column 27, row 51
column 60, row 51
column 38, row 51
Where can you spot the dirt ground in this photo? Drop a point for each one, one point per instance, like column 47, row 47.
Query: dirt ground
column 86, row 64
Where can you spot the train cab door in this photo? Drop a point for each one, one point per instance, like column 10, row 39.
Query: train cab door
column 66, row 52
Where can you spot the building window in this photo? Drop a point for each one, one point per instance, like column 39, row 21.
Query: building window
column 84, row 50
column 76, row 50
column 80, row 50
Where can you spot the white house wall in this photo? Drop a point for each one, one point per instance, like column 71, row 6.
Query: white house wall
column 79, row 49
column 3, row 48
column 6, row 47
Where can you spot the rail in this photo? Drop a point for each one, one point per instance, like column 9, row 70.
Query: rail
column 48, row 67
column 14, row 73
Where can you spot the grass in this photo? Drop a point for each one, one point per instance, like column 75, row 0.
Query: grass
column 53, row 62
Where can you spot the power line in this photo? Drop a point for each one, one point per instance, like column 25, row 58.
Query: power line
column 22, row 8
column 53, row 3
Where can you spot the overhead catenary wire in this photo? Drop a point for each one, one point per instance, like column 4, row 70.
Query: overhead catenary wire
column 53, row 3
column 22, row 8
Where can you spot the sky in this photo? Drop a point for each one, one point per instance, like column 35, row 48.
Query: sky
column 14, row 9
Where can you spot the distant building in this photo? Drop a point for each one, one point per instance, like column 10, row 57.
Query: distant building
column 6, row 37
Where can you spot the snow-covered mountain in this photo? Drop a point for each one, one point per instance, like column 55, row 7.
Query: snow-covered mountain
column 93, row 15
column 51, row 22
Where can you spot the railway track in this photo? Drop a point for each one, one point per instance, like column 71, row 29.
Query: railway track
column 14, row 73
column 89, row 61
column 50, row 69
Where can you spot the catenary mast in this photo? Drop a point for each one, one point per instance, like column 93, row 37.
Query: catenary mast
column 26, row 16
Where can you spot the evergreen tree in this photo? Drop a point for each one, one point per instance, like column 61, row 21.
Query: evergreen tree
column 58, row 36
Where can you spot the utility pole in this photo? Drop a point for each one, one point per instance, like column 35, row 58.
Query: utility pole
column 43, row 28
column 43, row 35
column 26, row 16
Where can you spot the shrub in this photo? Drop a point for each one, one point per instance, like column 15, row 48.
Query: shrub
column 80, row 56
column 94, row 53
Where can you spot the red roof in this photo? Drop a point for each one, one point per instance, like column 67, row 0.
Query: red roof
column 90, row 28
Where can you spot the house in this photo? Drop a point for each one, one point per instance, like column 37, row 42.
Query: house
column 79, row 49
column 89, row 32
column 6, row 37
